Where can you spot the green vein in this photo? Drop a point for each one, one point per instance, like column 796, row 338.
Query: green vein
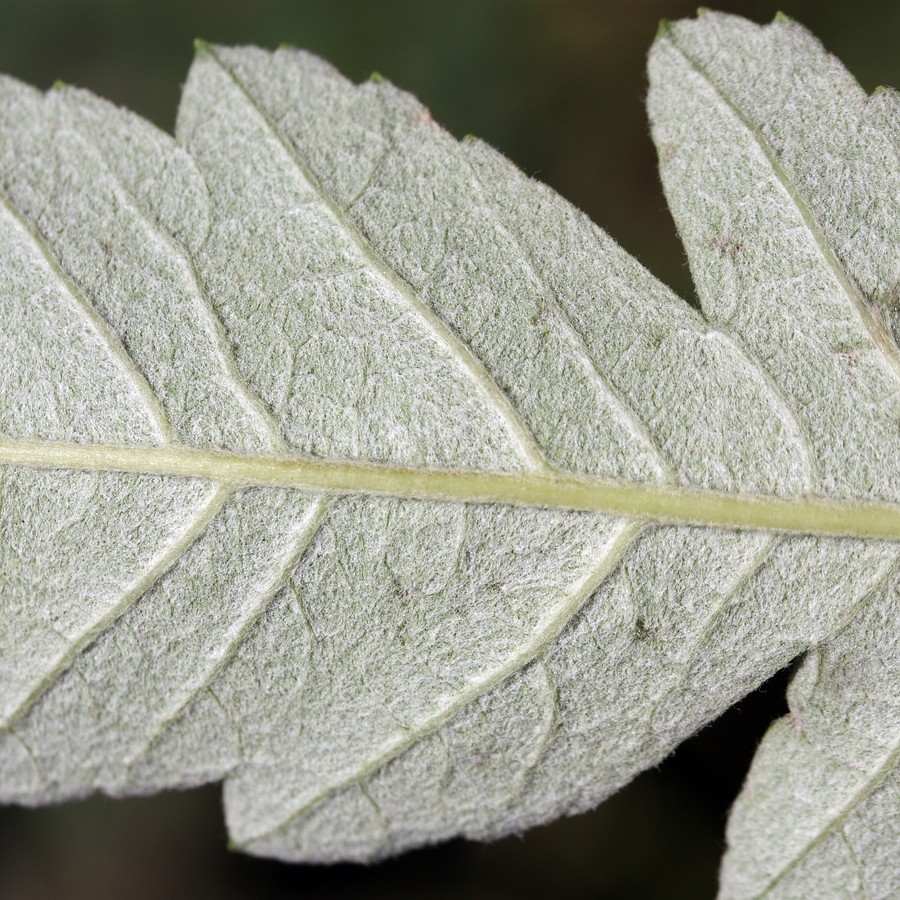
column 195, row 284
column 164, row 562
column 889, row 351
column 440, row 330
column 556, row 490
column 549, row 630
column 550, row 732
column 579, row 344
column 682, row 666
column 865, row 790
column 100, row 326
column 801, row 437
column 306, row 530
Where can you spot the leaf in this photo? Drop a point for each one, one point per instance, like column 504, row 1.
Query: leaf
column 819, row 813
column 348, row 465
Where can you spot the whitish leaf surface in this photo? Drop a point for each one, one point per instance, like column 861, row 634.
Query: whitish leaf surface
column 820, row 814
column 207, row 342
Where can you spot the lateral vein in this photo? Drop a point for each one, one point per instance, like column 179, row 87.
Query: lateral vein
column 101, row 327
column 245, row 394
column 863, row 792
column 614, row 395
column 305, row 530
column 528, row 446
column 572, row 601
column 889, row 352
column 164, row 562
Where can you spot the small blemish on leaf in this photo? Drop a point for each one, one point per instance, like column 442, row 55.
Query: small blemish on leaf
column 727, row 246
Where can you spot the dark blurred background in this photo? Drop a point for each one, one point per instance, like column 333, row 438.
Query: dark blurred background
column 557, row 85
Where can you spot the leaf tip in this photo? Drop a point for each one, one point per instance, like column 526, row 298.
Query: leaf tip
column 783, row 18
column 663, row 29
column 377, row 78
column 201, row 47
column 702, row 11
column 60, row 85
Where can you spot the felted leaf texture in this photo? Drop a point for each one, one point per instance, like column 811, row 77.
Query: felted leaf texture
column 347, row 465
column 820, row 813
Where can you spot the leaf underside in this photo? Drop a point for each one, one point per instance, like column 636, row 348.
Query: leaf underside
column 313, row 270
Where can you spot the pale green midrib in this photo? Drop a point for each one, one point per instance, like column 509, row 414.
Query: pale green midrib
column 100, row 326
column 866, row 789
column 613, row 552
column 558, row 490
column 147, row 580
column 528, row 446
column 250, row 400
column 307, row 531
column 889, row 351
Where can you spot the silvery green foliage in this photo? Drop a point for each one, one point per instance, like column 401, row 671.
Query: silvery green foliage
column 316, row 268
column 820, row 813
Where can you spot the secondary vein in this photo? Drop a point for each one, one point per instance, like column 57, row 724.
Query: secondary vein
column 304, row 533
column 529, row 448
column 616, row 398
column 168, row 558
column 572, row 601
column 888, row 350
column 100, row 326
column 863, row 792
column 196, row 286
